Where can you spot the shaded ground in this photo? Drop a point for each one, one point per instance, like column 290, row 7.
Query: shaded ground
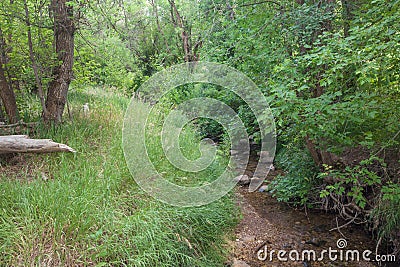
column 267, row 223
column 268, row 226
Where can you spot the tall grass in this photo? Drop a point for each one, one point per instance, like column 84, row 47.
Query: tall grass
column 86, row 210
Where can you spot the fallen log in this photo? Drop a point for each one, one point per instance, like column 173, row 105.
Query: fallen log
column 23, row 144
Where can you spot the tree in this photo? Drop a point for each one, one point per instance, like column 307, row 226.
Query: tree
column 7, row 95
column 64, row 29
column 179, row 22
column 33, row 61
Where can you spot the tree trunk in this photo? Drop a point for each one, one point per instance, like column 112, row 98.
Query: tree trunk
column 33, row 61
column 185, row 36
column 319, row 155
column 8, row 98
column 7, row 95
column 2, row 118
column 64, row 29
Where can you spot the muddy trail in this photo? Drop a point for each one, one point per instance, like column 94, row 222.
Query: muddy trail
column 268, row 226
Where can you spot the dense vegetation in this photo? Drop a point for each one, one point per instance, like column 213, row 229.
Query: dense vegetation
column 86, row 209
column 329, row 69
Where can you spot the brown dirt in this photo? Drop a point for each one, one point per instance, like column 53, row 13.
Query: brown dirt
column 23, row 167
column 269, row 223
column 277, row 226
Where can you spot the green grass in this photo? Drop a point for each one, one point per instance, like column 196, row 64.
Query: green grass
column 189, row 141
column 90, row 212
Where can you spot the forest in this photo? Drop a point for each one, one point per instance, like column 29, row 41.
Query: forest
column 329, row 70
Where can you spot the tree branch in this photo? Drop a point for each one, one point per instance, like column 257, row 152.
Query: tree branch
column 262, row 2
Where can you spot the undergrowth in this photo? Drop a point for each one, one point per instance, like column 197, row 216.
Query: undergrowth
column 86, row 209
column 300, row 178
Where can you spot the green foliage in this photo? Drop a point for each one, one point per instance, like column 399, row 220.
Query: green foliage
column 352, row 182
column 110, row 64
column 349, row 112
column 331, row 74
column 189, row 140
column 387, row 212
column 29, row 105
column 298, row 184
column 85, row 208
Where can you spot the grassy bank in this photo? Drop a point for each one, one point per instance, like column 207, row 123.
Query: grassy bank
column 86, row 209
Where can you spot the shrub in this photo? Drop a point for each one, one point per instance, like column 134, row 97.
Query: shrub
column 299, row 182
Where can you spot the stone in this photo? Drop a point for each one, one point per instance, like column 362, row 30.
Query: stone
column 256, row 180
column 242, row 179
column 272, row 167
column 234, row 152
column 263, row 188
column 250, row 238
column 239, row 263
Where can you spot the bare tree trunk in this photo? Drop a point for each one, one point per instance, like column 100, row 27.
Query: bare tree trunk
column 11, row 75
column 64, row 29
column 315, row 154
column 6, row 93
column 8, row 98
column 178, row 22
column 33, row 61
column 2, row 118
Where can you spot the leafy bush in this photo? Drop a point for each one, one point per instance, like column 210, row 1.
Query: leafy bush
column 298, row 184
column 352, row 181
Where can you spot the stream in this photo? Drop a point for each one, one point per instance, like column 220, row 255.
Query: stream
column 268, row 226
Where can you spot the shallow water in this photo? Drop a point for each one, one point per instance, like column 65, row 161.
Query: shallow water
column 271, row 225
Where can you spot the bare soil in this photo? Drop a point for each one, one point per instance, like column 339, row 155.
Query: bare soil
column 269, row 224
